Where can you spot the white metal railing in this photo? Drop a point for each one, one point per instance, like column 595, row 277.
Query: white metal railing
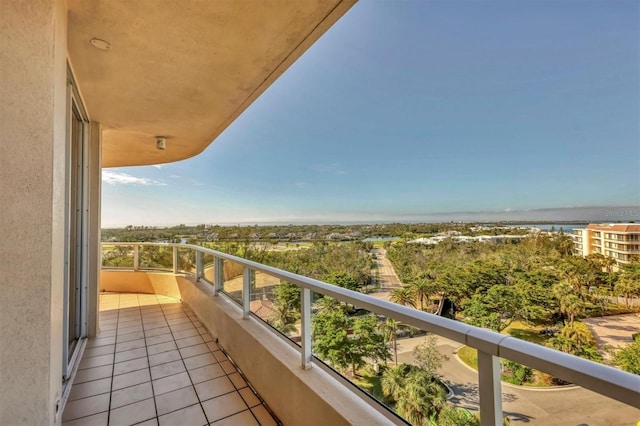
column 491, row 346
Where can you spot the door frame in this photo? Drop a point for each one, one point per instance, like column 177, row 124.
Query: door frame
column 75, row 108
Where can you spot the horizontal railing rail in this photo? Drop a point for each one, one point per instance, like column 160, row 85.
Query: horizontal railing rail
column 491, row 346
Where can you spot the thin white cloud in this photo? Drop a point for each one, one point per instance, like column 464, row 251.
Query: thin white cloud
column 300, row 184
column 158, row 166
column 119, row 178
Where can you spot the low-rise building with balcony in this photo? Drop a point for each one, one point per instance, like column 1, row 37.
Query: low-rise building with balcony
column 619, row 241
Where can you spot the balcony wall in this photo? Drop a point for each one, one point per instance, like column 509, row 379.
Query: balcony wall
column 273, row 367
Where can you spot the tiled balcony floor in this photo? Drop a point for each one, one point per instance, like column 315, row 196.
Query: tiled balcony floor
column 155, row 364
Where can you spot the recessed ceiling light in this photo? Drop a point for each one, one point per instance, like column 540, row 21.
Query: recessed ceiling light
column 100, row 44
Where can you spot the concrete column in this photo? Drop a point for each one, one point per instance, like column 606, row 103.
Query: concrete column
column 33, row 55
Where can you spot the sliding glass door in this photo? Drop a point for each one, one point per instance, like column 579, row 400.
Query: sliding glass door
column 75, row 315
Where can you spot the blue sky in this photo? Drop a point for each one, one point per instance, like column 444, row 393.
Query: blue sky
column 418, row 110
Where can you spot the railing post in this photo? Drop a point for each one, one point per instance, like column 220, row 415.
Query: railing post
column 136, row 257
column 305, row 332
column 175, row 259
column 199, row 265
column 218, row 274
column 490, row 389
column 246, row 292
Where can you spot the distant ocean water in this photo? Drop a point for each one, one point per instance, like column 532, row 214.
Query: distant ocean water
column 548, row 226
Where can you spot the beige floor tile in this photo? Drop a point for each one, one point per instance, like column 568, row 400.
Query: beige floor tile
column 161, row 338
column 182, row 327
column 101, row 341
column 164, row 357
column 129, row 366
column 206, row 373
column 244, row 418
column 107, row 327
column 100, row 350
column 171, row 383
column 188, row 416
column 131, row 354
column 220, row 356
column 227, row 367
column 177, row 321
column 190, row 332
column 121, row 338
column 237, row 380
column 200, row 361
column 201, row 330
column 108, row 333
column 156, row 331
column 223, row 406
column 263, row 416
column 176, row 315
column 176, row 400
column 92, row 388
column 127, row 346
column 152, row 325
column 150, row 422
column 207, row 337
column 130, row 379
column 214, row 388
column 132, row 413
column 189, row 341
column 213, row 346
column 93, row 374
column 190, row 351
column 100, row 419
column 125, row 324
column 130, row 329
column 168, row 369
column 96, row 361
column 131, row 394
column 249, row 397
column 162, row 347
column 85, row 407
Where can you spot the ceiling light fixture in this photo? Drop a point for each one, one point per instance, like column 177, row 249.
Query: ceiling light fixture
column 100, row 44
column 161, row 143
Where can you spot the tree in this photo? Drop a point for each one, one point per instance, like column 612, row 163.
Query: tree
column 343, row 280
column 576, row 339
column 346, row 341
column 629, row 283
column 427, row 356
column 389, row 329
column 403, row 296
column 628, row 358
column 495, row 309
column 570, row 304
column 457, row 416
column 416, row 394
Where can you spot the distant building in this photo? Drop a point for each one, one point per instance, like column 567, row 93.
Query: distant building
column 619, row 241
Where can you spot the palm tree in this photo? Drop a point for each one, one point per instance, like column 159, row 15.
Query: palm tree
column 389, row 329
column 421, row 290
column 403, row 296
column 416, row 394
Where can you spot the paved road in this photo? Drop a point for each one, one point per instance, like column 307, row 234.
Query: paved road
column 388, row 278
column 575, row 406
column 558, row 407
column 614, row 331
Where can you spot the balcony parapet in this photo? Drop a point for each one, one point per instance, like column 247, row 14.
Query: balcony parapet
column 491, row 346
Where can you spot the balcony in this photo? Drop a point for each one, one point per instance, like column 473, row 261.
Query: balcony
column 216, row 334
column 155, row 362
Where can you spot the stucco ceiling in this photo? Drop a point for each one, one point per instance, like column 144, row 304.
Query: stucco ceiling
column 183, row 69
